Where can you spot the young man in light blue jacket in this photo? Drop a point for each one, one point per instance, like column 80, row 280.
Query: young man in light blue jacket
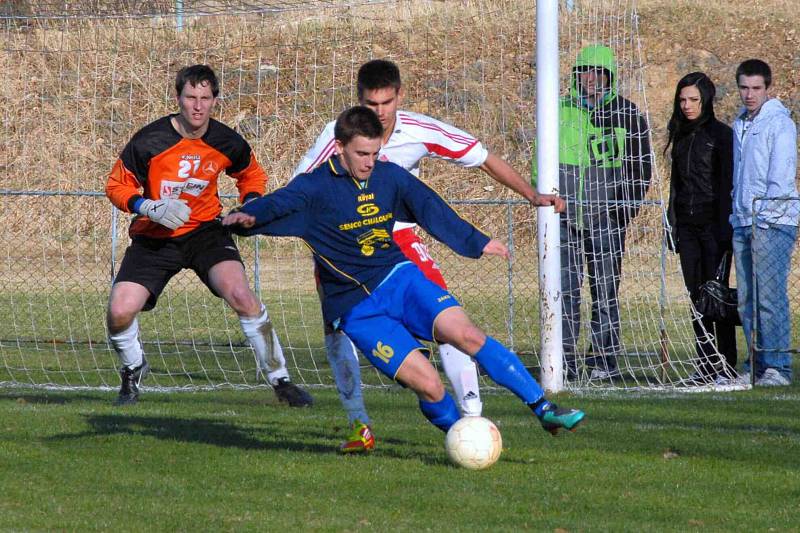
column 764, row 219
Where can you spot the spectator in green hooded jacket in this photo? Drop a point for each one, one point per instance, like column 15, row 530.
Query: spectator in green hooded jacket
column 605, row 165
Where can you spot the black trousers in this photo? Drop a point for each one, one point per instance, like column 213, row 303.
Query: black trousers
column 700, row 255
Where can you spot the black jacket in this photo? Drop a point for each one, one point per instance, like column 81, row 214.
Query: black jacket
column 702, row 180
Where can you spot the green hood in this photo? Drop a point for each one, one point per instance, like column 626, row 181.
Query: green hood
column 595, row 55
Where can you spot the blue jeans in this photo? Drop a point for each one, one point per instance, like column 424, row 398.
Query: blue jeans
column 600, row 246
column 768, row 252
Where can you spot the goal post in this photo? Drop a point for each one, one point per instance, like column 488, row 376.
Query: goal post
column 547, row 83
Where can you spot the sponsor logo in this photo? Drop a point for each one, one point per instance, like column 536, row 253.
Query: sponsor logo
column 173, row 189
column 194, row 186
column 210, row 168
column 367, row 210
column 440, row 299
column 366, row 222
column 384, row 352
column 368, row 239
column 366, row 197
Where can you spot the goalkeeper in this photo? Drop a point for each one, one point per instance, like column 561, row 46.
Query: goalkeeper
column 167, row 174
column 408, row 138
column 344, row 211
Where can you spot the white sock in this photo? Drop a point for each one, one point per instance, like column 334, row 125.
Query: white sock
column 126, row 344
column 462, row 372
column 267, row 348
column 343, row 359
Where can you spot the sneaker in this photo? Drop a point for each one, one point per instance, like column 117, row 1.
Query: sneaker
column 741, row 379
column 288, row 392
column 772, row 378
column 131, row 379
column 599, row 374
column 723, row 379
column 361, row 440
column 553, row 418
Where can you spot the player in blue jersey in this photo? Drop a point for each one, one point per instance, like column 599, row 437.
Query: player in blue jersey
column 344, row 211
column 408, row 138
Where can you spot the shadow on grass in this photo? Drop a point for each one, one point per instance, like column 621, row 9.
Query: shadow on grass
column 45, row 398
column 192, row 430
column 277, row 436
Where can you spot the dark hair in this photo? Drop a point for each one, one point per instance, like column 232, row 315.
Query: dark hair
column 358, row 120
column 377, row 74
column 755, row 67
column 196, row 75
column 678, row 123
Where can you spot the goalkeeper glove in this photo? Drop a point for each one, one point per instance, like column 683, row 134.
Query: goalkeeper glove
column 167, row 212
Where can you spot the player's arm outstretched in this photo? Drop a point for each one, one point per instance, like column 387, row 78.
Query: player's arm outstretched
column 503, row 173
column 422, row 205
column 283, row 212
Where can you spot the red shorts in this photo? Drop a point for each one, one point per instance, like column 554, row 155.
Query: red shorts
column 415, row 250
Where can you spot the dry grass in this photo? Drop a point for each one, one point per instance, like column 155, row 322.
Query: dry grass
column 74, row 90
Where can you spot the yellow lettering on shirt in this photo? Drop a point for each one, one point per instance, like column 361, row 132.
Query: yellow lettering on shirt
column 347, row 226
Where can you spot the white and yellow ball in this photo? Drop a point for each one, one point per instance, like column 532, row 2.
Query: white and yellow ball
column 474, row 442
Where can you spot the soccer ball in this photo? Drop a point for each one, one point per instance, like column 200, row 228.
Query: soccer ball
column 474, row 442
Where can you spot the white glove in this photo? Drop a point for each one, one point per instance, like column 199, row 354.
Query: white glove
column 168, row 212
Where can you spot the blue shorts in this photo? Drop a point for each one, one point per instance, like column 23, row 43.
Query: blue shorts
column 386, row 325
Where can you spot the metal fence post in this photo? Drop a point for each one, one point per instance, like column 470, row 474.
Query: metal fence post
column 510, row 221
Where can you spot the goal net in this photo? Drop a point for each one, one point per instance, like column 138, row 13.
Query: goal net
column 78, row 79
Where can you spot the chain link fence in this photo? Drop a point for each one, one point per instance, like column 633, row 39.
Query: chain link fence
column 58, row 268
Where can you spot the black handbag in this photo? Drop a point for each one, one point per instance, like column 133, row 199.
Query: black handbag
column 716, row 300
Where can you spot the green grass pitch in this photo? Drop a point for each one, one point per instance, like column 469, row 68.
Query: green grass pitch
column 238, row 461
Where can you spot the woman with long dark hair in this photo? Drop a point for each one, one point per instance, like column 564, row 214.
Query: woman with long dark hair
column 699, row 207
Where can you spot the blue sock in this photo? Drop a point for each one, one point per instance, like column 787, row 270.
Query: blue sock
column 507, row 370
column 347, row 375
column 441, row 414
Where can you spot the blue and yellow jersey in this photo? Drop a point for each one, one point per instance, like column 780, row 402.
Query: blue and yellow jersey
column 347, row 224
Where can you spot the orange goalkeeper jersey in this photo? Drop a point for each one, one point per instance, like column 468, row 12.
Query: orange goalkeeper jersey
column 159, row 163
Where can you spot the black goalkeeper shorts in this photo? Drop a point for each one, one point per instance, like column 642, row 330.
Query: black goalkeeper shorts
column 152, row 262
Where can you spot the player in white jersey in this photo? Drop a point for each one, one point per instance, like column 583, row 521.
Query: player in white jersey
column 409, row 137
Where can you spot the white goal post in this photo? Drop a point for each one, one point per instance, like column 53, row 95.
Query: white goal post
column 77, row 84
column 552, row 353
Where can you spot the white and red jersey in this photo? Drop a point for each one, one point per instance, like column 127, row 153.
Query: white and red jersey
column 415, row 136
